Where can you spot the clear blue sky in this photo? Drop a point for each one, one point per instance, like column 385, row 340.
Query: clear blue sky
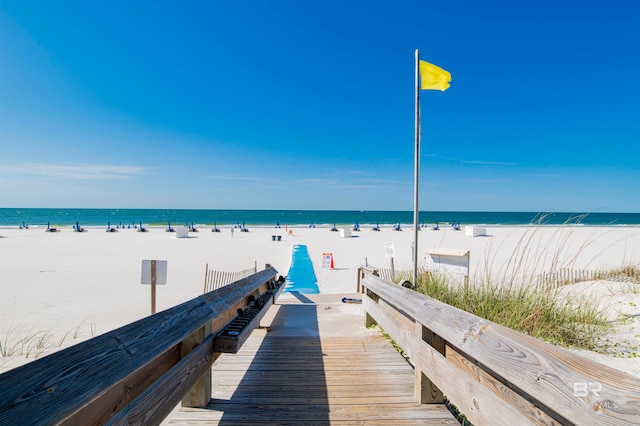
column 302, row 104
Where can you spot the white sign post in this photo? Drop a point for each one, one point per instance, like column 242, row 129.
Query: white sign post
column 154, row 272
column 390, row 251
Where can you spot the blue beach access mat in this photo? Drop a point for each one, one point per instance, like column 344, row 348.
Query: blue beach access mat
column 301, row 277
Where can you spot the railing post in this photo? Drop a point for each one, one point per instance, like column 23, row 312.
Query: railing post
column 200, row 394
column 425, row 390
column 368, row 319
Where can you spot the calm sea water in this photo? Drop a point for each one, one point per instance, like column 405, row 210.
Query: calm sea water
column 161, row 217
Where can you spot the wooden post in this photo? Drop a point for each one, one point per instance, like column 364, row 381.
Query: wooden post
column 425, row 390
column 153, row 287
column 206, row 275
column 368, row 320
column 200, row 394
column 393, row 269
column 466, row 278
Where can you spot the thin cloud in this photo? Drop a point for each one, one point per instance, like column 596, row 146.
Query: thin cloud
column 347, row 182
column 481, row 162
column 233, row 177
column 488, row 163
column 487, row 181
column 77, row 171
column 347, row 172
column 542, row 175
column 317, row 181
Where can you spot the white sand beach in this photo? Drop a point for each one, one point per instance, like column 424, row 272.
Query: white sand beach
column 57, row 289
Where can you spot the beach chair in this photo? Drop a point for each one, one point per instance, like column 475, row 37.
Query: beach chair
column 78, row 228
column 142, row 228
column 110, row 229
column 215, row 228
column 334, row 229
column 397, row 227
column 376, row 228
column 50, row 229
column 356, row 227
column 170, row 229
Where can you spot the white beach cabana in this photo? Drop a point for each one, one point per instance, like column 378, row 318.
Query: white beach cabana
column 454, row 263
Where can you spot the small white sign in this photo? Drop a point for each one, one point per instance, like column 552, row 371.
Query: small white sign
column 390, row 250
column 326, row 260
column 161, row 272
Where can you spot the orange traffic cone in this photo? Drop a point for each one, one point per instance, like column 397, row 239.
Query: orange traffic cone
column 331, row 254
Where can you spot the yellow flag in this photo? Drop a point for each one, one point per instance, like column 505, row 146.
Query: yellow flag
column 433, row 77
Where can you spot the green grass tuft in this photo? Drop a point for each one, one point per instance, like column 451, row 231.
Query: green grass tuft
column 524, row 309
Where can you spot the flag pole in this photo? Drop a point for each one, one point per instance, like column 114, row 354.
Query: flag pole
column 416, row 174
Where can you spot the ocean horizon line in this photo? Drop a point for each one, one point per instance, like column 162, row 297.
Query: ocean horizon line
column 96, row 217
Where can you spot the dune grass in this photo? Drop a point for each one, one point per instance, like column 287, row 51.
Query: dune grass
column 509, row 294
column 522, row 308
column 34, row 344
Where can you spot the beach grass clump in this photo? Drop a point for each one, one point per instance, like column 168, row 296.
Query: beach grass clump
column 33, row 344
column 511, row 293
column 522, row 308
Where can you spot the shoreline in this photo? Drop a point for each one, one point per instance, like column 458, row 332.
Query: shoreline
column 208, row 227
column 205, row 217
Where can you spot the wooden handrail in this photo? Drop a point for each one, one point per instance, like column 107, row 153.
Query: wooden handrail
column 136, row 373
column 496, row 375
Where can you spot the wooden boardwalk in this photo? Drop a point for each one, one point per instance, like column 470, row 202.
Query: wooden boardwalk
column 318, row 365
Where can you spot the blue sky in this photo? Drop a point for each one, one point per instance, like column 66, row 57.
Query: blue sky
column 303, row 104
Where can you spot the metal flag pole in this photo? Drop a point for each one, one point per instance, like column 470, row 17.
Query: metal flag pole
column 416, row 175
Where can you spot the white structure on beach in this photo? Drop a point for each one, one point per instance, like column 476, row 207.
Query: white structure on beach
column 345, row 232
column 453, row 263
column 475, row 231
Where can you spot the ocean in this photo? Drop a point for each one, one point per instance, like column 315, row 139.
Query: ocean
column 10, row 217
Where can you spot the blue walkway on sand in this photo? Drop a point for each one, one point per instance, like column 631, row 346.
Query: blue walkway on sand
column 301, row 277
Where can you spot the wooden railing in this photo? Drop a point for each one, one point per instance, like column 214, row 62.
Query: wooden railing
column 136, row 374
column 493, row 374
column 384, row 274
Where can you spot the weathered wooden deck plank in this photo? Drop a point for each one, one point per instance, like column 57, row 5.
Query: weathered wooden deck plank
column 314, row 378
